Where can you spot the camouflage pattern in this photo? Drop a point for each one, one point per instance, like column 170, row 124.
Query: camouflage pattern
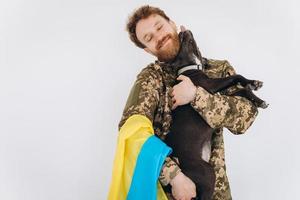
column 150, row 96
column 234, row 113
column 169, row 170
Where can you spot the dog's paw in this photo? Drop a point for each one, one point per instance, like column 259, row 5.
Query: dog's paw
column 255, row 85
column 263, row 105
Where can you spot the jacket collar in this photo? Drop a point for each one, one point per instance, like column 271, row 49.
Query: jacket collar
column 166, row 67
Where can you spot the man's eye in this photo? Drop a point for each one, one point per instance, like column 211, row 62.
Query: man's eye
column 160, row 27
column 149, row 39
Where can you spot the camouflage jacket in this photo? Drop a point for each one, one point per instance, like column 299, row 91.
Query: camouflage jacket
column 150, row 96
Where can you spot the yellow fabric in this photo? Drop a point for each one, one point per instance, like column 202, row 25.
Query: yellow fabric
column 135, row 131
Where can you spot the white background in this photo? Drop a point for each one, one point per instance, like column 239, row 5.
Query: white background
column 66, row 68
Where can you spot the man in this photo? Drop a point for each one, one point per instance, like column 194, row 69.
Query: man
column 155, row 94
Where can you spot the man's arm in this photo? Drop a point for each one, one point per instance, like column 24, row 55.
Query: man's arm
column 143, row 99
column 233, row 112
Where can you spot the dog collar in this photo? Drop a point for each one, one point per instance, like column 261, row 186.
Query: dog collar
column 188, row 68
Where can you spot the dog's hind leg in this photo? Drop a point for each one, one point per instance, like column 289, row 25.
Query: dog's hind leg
column 247, row 93
column 255, row 85
column 203, row 175
column 214, row 85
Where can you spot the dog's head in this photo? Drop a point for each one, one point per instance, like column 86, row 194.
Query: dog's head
column 189, row 53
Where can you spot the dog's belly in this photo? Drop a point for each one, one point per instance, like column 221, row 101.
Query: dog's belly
column 206, row 151
column 190, row 135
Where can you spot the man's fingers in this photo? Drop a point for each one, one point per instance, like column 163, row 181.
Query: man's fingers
column 173, row 93
column 173, row 99
column 174, row 105
column 181, row 77
column 175, row 87
column 194, row 195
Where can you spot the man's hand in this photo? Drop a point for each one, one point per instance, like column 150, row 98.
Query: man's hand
column 184, row 92
column 183, row 188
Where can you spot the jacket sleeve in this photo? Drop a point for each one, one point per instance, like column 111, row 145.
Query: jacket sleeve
column 143, row 99
column 232, row 112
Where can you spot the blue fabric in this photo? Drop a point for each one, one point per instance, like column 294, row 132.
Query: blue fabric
column 147, row 169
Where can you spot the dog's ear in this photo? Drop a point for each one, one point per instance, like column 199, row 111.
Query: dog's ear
column 197, row 53
column 196, row 50
column 182, row 28
column 180, row 35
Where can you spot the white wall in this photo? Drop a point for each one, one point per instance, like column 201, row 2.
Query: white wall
column 66, row 68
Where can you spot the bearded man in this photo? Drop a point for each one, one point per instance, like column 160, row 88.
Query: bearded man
column 154, row 95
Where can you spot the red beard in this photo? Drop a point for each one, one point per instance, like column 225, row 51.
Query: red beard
column 168, row 53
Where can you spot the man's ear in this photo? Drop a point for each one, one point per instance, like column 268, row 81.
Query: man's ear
column 148, row 51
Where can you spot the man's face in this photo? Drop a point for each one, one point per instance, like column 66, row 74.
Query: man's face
column 159, row 36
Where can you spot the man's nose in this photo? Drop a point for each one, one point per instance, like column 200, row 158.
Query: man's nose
column 159, row 38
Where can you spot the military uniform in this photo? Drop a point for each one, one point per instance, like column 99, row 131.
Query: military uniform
column 151, row 96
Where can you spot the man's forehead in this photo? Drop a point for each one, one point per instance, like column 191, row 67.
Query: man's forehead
column 146, row 25
column 153, row 18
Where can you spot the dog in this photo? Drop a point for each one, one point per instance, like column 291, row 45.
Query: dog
column 189, row 132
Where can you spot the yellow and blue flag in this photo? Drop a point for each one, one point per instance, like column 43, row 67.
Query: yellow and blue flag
column 138, row 161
